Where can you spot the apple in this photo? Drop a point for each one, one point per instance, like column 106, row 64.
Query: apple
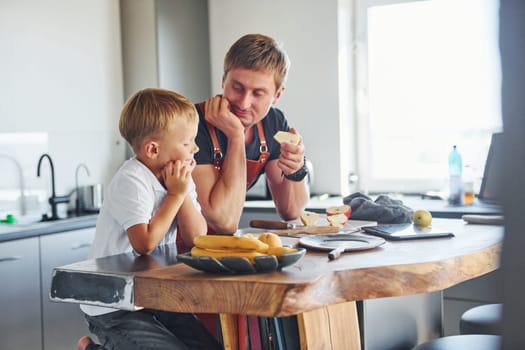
column 338, row 220
column 422, row 218
column 341, row 209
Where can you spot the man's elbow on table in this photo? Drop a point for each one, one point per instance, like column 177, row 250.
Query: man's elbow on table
column 228, row 225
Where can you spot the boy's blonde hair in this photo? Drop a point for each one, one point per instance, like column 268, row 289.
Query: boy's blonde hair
column 258, row 52
column 148, row 112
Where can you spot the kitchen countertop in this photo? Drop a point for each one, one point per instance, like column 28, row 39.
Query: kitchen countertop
column 33, row 228
column 438, row 207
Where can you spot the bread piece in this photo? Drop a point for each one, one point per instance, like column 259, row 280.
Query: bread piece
column 284, row 136
column 309, row 218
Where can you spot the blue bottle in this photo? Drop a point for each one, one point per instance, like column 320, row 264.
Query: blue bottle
column 455, row 169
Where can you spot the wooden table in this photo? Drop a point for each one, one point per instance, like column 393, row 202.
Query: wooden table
column 321, row 292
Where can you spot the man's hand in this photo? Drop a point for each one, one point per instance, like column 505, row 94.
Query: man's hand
column 176, row 176
column 217, row 113
column 292, row 156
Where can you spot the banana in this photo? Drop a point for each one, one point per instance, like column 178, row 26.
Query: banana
column 221, row 253
column 271, row 239
column 230, row 242
column 278, row 251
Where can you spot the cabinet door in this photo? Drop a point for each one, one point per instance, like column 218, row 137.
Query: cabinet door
column 63, row 323
column 20, row 322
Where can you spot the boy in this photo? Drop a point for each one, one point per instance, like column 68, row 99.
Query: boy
column 149, row 201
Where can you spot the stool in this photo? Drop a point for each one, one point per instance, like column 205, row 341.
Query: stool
column 462, row 342
column 483, row 319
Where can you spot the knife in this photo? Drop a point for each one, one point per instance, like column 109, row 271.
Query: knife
column 336, row 253
column 282, row 225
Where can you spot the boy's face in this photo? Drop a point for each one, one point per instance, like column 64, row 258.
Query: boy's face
column 251, row 93
column 178, row 143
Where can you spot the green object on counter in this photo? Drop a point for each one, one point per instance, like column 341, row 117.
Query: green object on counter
column 9, row 219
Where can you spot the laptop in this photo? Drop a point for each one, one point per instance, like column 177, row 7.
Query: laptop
column 490, row 189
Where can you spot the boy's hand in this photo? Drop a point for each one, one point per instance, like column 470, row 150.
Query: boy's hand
column 176, row 176
column 292, row 156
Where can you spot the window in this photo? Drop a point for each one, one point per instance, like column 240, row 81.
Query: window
column 427, row 78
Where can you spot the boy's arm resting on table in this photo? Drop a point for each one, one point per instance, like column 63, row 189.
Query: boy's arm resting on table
column 222, row 196
column 290, row 197
column 145, row 237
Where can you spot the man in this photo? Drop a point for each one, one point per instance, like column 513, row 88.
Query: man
column 236, row 142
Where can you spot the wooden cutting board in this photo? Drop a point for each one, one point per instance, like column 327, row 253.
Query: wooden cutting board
column 309, row 230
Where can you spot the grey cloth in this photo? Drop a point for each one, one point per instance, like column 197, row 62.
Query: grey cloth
column 384, row 210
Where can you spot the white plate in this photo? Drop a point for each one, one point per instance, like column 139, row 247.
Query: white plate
column 350, row 242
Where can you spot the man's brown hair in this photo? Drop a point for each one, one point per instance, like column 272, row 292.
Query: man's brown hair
column 258, row 52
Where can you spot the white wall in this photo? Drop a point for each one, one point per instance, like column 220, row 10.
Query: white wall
column 61, row 74
column 310, row 34
column 183, row 47
column 139, row 45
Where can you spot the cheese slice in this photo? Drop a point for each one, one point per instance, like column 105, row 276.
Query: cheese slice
column 309, row 218
column 284, row 136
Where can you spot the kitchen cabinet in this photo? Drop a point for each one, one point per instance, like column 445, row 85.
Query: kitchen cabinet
column 20, row 324
column 63, row 323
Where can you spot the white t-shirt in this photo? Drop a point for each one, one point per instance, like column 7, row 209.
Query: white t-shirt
column 132, row 197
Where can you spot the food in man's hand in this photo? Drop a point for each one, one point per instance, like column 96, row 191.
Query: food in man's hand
column 222, row 253
column 271, row 239
column 422, row 218
column 230, row 242
column 309, row 218
column 337, row 220
column 284, row 136
column 341, row 209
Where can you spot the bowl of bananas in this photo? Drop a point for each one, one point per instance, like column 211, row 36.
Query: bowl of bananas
column 240, row 254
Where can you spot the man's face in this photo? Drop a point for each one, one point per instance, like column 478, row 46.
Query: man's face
column 251, row 93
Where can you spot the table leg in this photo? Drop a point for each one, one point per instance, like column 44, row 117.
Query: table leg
column 229, row 329
column 334, row 327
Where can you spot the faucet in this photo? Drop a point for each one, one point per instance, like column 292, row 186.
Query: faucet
column 81, row 165
column 23, row 208
column 54, row 200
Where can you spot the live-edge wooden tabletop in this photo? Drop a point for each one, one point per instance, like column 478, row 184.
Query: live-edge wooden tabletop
column 392, row 269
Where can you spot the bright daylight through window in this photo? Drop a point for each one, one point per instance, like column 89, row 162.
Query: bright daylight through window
column 428, row 78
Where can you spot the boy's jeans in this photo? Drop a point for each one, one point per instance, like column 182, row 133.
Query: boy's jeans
column 150, row 329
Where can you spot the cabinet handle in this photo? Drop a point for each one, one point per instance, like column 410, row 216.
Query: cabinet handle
column 10, row 258
column 81, row 245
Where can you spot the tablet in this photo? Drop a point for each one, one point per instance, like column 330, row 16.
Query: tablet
column 397, row 232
